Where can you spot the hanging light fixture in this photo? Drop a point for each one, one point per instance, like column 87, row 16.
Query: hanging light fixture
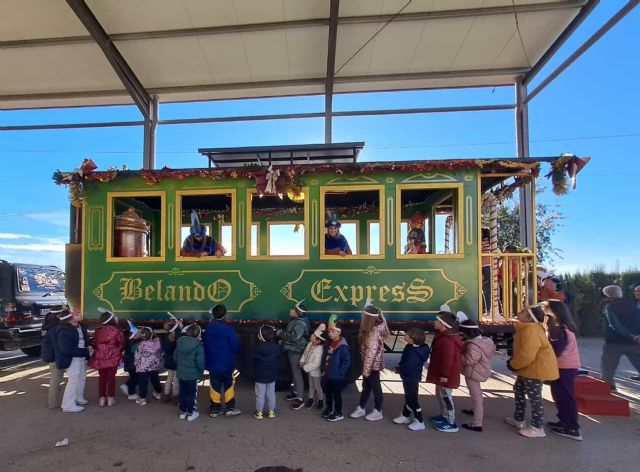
column 296, row 196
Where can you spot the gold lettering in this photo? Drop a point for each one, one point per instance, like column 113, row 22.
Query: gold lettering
column 184, row 293
column 341, row 295
column 159, row 290
column 398, row 293
column 370, row 291
column 384, row 290
column 318, row 288
column 170, row 293
column 130, row 289
column 218, row 290
column 148, row 292
column 418, row 291
column 357, row 295
column 198, row 292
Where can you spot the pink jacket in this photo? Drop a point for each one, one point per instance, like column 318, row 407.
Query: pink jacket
column 372, row 350
column 476, row 358
column 148, row 356
column 570, row 357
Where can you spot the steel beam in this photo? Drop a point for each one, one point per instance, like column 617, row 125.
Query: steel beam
column 120, row 66
column 527, row 212
column 150, row 125
column 313, row 22
column 331, row 66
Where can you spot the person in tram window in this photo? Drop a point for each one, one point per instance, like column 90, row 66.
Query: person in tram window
column 335, row 244
column 415, row 236
column 198, row 243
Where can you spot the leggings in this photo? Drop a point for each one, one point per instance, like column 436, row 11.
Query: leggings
column 107, row 382
column 475, row 391
column 143, row 382
column 532, row 389
column 372, row 384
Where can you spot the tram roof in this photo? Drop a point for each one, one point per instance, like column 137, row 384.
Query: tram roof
column 188, row 50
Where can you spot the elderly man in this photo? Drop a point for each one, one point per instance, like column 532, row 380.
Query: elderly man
column 622, row 337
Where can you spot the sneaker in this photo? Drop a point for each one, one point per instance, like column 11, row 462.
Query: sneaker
column 446, row 427
column 375, row 415
column 133, row 397
column 193, row 416
column 234, row 412
column 468, row 411
column 515, row 423
column 296, row 405
column 416, row 425
column 157, row 395
column 320, row 405
column 555, row 424
column 568, row 433
column 111, row 401
column 141, row 401
column 438, row 419
column 271, row 414
column 531, row 432
column 124, row 389
column 102, row 401
column 258, row 415
column 183, row 415
column 214, row 414
column 74, row 409
column 291, row 396
column 309, row 404
column 82, row 401
column 470, row 427
column 358, row 412
column 326, row 413
column 335, row 417
column 402, row 420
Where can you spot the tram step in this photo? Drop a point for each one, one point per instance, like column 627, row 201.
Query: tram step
column 590, row 385
column 599, row 404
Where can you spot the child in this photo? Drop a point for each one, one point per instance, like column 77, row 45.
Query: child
column 414, row 355
column 335, row 367
column 476, row 368
column 109, row 344
column 533, row 361
column 295, row 338
column 189, row 361
column 72, row 352
column 148, row 360
column 444, row 369
column 220, row 346
column 373, row 331
column 266, row 372
column 562, row 337
column 168, row 343
column 131, row 385
column 48, row 353
column 310, row 362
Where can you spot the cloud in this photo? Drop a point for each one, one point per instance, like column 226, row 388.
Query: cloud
column 15, row 236
column 34, row 247
column 57, row 218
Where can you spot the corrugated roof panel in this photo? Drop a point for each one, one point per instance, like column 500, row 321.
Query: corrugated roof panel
column 125, row 16
column 26, row 19
column 350, row 38
column 299, row 42
column 267, row 55
column 393, row 51
column 225, row 56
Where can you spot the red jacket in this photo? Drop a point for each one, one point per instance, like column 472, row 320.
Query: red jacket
column 109, row 344
column 446, row 359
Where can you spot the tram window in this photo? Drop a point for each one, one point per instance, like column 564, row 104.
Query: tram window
column 206, row 224
column 429, row 222
column 136, row 223
column 277, row 226
column 353, row 215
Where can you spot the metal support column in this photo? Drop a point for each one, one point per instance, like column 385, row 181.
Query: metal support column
column 331, row 65
column 150, row 125
column 527, row 212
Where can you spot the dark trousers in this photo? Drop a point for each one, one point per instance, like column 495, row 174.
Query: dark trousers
column 372, row 384
column 486, row 288
column 611, row 354
column 563, row 393
column 333, row 395
column 221, row 382
column 187, row 394
column 107, row 382
column 143, row 383
column 411, row 404
column 132, row 382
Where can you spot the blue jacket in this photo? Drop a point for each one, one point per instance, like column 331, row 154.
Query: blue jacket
column 412, row 361
column 67, row 345
column 48, row 346
column 340, row 361
column 220, row 346
column 622, row 321
column 265, row 362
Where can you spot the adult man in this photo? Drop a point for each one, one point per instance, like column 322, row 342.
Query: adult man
column 551, row 289
column 335, row 244
column 622, row 335
column 198, row 244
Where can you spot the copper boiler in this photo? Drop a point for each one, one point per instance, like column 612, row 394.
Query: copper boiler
column 131, row 235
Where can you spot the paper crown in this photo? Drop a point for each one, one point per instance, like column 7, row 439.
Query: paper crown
column 102, row 311
column 133, row 328
column 319, row 332
column 461, row 316
column 177, row 322
column 300, row 307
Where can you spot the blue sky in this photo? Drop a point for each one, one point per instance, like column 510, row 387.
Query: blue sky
column 590, row 110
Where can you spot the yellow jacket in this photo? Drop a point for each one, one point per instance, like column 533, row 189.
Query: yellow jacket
column 533, row 356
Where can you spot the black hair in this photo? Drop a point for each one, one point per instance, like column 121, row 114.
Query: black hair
column 105, row 316
column 146, row 333
column 449, row 318
column 219, row 311
column 538, row 313
column 417, row 335
column 562, row 315
column 267, row 333
column 486, row 233
column 467, row 332
column 193, row 330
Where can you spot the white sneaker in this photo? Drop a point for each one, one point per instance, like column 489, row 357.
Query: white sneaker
column 358, row 412
column 402, row 420
column 74, row 409
column 183, row 416
column 532, row 432
column 133, row 397
column 193, row 416
column 157, row 396
column 375, row 415
column 515, row 423
column 124, row 389
column 82, row 401
column 416, row 426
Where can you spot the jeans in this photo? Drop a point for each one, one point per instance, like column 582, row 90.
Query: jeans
column 265, row 393
column 369, row 384
column 76, row 380
column 296, row 371
column 411, row 404
column 187, row 395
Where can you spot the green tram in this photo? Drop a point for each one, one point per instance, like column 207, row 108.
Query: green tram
column 268, row 206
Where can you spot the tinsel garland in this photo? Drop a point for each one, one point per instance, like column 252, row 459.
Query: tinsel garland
column 558, row 174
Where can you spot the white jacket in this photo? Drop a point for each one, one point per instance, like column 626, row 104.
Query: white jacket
column 312, row 359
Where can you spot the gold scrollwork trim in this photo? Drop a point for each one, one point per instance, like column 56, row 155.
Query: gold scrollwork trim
column 420, row 178
column 361, row 179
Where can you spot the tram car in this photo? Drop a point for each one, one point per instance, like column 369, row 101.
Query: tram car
column 263, row 228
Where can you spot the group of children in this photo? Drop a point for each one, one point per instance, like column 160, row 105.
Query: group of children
column 544, row 350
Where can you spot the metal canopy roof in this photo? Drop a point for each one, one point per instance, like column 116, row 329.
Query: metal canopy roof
column 336, row 153
column 182, row 50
